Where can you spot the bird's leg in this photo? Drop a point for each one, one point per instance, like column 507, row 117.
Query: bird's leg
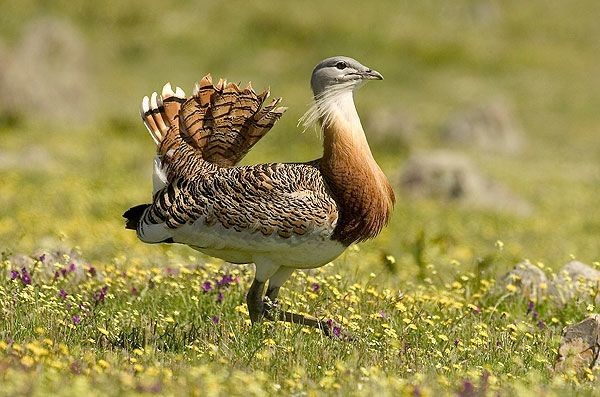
column 272, row 293
column 275, row 282
column 259, row 307
column 272, row 312
column 254, row 300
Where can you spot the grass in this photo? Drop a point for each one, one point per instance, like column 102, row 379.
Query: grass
column 421, row 297
column 123, row 327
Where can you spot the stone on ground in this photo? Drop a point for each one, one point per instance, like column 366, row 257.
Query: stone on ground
column 450, row 176
column 491, row 126
column 579, row 346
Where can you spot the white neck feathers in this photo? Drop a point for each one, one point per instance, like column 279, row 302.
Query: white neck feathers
column 335, row 105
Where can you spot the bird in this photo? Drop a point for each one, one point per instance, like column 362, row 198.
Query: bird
column 279, row 216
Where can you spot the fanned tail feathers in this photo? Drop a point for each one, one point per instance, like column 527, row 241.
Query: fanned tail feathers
column 224, row 121
column 220, row 122
column 158, row 112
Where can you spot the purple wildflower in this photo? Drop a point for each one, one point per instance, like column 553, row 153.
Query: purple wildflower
column 315, row 287
column 14, row 274
column 382, row 314
column 206, row 286
column 134, row 291
column 530, row 307
column 76, row 367
column 62, row 293
column 468, row 389
column 456, row 342
column 100, row 294
column 76, row 319
column 92, row 271
column 215, row 319
column 25, row 277
column 225, row 281
column 42, row 258
column 72, row 267
column 337, row 331
column 220, row 297
column 63, row 271
column 56, row 274
column 170, row 272
column 541, row 324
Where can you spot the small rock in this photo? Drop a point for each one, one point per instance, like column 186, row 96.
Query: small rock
column 575, row 279
column 580, row 345
column 453, row 177
column 580, row 271
column 48, row 263
column 47, row 76
column 31, row 158
column 528, row 278
column 390, row 126
column 486, row 13
column 490, row 126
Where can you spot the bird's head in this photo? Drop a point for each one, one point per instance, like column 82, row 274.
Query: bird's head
column 342, row 73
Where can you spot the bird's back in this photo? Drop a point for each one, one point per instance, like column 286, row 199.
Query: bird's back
column 248, row 210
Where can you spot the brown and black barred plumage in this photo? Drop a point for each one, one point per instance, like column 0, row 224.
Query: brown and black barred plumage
column 279, row 216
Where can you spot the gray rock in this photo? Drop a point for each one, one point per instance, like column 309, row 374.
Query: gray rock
column 47, row 75
column 580, row 271
column 390, row 126
column 20, row 261
column 45, row 263
column 453, row 177
column 576, row 279
column 530, row 280
column 31, row 158
column 490, row 126
column 580, row 345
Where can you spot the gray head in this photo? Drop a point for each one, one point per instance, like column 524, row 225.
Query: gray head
column 342, row 72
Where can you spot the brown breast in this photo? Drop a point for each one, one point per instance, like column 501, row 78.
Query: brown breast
column 361, row 190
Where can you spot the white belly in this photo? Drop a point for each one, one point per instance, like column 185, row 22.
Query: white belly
column 301, row 252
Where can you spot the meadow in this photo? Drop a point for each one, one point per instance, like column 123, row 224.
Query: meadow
column 85, row 308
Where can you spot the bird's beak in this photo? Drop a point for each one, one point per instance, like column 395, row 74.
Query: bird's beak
column 371, row 74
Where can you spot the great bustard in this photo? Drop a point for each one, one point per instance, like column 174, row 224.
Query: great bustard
column 279, row 216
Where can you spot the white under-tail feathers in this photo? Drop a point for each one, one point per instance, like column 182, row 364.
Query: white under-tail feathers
column 159, row 177
column 326, row 106
column 154, row 105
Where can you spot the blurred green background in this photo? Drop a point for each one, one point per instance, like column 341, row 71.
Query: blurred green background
column 74, row 154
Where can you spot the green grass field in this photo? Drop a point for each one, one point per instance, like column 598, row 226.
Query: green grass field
column 112, row 316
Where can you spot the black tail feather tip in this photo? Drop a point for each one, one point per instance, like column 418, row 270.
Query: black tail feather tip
column 133, row 215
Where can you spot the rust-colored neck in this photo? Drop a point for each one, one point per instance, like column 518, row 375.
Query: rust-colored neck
column 363, row 193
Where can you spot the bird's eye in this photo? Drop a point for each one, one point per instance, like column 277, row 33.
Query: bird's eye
column 341, row 65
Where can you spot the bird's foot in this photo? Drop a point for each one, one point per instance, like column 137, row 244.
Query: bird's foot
column 270, row 309
column 330, row 328
column 333, row 330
